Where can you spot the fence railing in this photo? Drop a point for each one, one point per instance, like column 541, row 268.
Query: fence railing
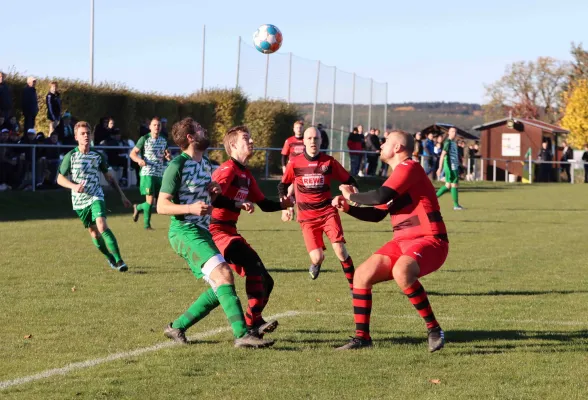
column 474, row 169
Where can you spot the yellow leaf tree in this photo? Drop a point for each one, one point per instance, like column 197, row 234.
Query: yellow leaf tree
column 576, row 115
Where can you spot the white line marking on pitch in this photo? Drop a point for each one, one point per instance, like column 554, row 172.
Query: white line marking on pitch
column 125, row 354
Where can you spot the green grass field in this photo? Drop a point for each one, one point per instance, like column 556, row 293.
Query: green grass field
column 512, row 298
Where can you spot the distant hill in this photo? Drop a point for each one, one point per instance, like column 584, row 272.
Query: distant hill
column 408, row 116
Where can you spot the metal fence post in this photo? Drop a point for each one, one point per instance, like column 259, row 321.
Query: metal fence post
column 91, row 42
column 34, row 167
column 342, row 158
column 572, row 168
column 128, row 171
column 352, row 103
column 266, row 164
column 203, row 55
column 386, row 109
column 506, row 172
column 289, row 78
column 370, row 106
column 316, row 89
column 333, row 108
column 482, row 171
column 494, row 171
column 530, row 169
column 238, row 62
column 266, row 76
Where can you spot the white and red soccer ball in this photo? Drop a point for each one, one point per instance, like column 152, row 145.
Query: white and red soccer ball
column 267, row 39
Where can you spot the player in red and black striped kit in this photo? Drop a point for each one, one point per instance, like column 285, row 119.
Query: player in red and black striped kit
column 311, row 173
column 420, row 244
column 293, row 146
column 237, row 182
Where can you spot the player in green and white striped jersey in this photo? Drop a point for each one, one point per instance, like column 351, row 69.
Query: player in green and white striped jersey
column 150, row 153
column 449, row 161
column 83, row 165
column 186, row 193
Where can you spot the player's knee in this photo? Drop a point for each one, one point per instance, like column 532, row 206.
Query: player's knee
column 94, row 232
column 101, row 224
column 361, row 279
column 222, row 275
column 405, row 272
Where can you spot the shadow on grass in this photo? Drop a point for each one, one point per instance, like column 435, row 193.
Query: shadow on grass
column 508, row 293
column 293, row 271
column 510, row 222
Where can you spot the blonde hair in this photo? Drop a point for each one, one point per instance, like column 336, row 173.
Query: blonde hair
column 82, row 124
column 231, row 136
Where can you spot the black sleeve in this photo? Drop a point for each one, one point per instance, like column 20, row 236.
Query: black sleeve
column 381, row 195
column 224, row 202
column 369, row 214
column 282, row 189
column 267, row 205
column 351, row 181
column 284, row 160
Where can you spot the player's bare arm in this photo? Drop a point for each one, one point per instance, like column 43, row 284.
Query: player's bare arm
column 441, row 159
column 66, row 183
column 165, row 206
column 136, row 158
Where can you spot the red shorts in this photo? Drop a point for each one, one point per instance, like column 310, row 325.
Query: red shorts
column 312, row 231
column 223, row 239
column 430, row 253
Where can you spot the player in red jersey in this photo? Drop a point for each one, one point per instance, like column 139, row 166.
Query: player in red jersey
column 237, row 182
column 312, row 172
column 419, row 246
column 293, row 146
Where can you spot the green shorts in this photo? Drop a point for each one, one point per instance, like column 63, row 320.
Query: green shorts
column 451, row 176
column 89, row 214
column 150, row 185
column 193, row 244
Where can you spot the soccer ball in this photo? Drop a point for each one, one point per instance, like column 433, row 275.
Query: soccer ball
column 267, row 39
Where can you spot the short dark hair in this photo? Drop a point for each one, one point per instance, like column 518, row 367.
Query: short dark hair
column 182, row 129
column 155, row 119
column 231, row 136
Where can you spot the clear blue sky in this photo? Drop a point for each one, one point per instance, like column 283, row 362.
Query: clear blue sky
column 425, row 50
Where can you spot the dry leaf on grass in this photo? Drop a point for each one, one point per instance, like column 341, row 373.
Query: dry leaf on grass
column 28, row 337
column 318, row 300
column 73, row 289
column 435, row 381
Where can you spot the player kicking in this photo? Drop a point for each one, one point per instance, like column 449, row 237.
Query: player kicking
column 312, row 172
column 153, row 149
column 419, row 246
column 449, row 161
column 84, row 165
column 293, row 146
column 238, row 183
column 186, row 196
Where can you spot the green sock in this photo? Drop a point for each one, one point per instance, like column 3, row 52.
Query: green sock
column 198, row 310
column 442, row 190
column 454, row 195
column 232, row 307
column 146, row 207
column 101, row 245
column 112, row 244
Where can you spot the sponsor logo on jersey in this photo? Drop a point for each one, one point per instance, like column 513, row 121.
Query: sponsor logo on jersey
column 313, row 180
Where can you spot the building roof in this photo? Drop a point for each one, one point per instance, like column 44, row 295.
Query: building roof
column 440, row 127
column 533, row 122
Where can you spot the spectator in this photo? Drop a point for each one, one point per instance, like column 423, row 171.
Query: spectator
column 163, row 128
column 101, row 132
column 585, row 160
column 362, row 158
column 65, row 131
column 324, row 137
column 144, row 128
column 117, row 158
column 5, row 97
column 460, row 157
column 429, row 151
column 26, row 159
column 566, row 155
column 6, row 162
column 372, row 144
column 4, row 124
column 418, row 147
column 52, row 157
column 437, row 151
column 30, row 104
column 355, row 143
column 53, row 102
column 13, row 125
column 384, row 166
column 546, row 157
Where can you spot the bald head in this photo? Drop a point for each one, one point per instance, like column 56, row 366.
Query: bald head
column 403, row 138
column 312, row 141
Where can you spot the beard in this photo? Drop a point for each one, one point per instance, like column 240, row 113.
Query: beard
column 203, row 143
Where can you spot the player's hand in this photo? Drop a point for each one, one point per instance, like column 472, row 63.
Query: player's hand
column 286, row 202
column 142, row 163
column 79, row 188
column 340, row 203
column 199, row 208
column 126, row 202
column 214, row 188
column 286, row 215
column 347, row 190
column 247, row 206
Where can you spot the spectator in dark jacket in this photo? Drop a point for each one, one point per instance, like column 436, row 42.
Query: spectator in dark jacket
column 5, row 97
column 355, row 143
column 585, row 160
column 53, row 101
column 372, row 144
column 545, row 168
column 30, row 104
column 52, row 157
column 65, row 131
column 567, row 155
column 101, row 132
column 324, row 137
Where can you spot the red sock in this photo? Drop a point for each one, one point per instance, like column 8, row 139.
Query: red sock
column 255, row 299
column 349, row 270
column 362, row 309
column 418, row 297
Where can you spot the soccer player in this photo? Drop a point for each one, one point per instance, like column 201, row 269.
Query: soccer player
column 84, row 164
column 237, row 182
column 312, row 172
column 186, row 194
column 419, row 246
column 153, row 149
column 293, row 146
column 449, row 161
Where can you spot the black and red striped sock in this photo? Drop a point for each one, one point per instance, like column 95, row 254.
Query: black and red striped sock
column 255, row 299
column 362, row 309
column 349, row 270
column 418, row 297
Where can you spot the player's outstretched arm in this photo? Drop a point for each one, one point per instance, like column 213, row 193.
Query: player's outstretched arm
column 368, row 214
column 112, row 181
column 376, row 197
column 66, row 183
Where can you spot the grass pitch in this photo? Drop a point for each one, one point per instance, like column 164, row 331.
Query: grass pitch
column 512, row 298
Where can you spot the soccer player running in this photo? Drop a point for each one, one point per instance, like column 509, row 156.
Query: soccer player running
column 293, row 146
column 419, row 246
column 186, row 194
column 153, row 151
column 312, row 172
column 83, row 165
column 449, row 161
column 237, row 183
